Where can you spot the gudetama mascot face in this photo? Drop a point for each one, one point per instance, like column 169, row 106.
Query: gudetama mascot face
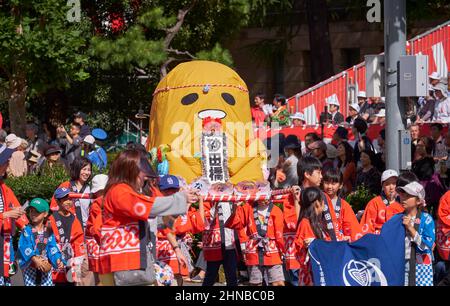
column 191, row 92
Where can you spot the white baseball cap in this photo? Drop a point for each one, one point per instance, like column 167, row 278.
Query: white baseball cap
column 89, row 139
column 388, row 174
column 382, row 113
column 99, row 182
column 298, row 115
column 362, row 94
column 355, row 107
column 414, row 189
column 12, row 141
column 435, row 76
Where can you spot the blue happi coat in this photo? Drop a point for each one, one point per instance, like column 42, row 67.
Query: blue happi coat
column 424, row 250
column 28, row 248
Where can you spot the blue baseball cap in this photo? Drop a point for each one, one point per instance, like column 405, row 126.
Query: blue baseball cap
column 5, row 154
column 99, row 134
column 169, row 182
column 61, row 193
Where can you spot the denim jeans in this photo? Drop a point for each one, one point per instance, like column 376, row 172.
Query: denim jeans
column 229, row 263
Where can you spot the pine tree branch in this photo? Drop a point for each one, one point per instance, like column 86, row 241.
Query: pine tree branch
column 178, row 52
column 171, row 32
column 163, row 69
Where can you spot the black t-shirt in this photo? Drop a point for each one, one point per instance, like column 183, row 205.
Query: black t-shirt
column 66, row 224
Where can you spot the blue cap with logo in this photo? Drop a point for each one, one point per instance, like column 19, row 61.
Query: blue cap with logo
column 168, row 182
column 61, row 193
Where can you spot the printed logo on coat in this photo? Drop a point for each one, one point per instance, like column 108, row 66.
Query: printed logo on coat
column 120, row 239
column 363, row 273
column 139, row 209
column 382, row 214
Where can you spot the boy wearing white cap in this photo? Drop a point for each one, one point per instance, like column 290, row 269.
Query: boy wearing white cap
column 420, row 235
column 382, row 207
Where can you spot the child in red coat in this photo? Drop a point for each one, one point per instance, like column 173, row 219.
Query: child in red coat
column 264, row 227
column 69, row 237
column 381, row 208
column 312, row 226
column 349, row 225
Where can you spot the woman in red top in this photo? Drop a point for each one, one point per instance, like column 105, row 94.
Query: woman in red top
column 312, row 226
column 124, row 236
column 11, row 215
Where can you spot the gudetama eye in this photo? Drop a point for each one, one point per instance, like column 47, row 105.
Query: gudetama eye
column 228, row 98
column 189, row 99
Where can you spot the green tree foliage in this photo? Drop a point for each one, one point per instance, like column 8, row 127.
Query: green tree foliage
column 39, row 50
column 33, row 186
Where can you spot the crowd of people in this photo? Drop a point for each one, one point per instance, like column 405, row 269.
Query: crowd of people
column 48, row 146
column 132, row 226
column 433, row 108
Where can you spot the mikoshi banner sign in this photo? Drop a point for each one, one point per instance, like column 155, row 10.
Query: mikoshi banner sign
column 373, row 260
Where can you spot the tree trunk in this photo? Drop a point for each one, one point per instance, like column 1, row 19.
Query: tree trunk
column 16, row 103
column 319, row 40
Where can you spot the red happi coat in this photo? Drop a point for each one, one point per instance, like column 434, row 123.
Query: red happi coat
column 93, row 234
column 244, row 218
column 290, row 230
column 76, row 241
column 443, row 227
column 348, row 223
column 185, row 226
column 377, row 213
column 119, row 237
column 304, row 232
column 7, row 226
column 290, row 226
column 211, row 239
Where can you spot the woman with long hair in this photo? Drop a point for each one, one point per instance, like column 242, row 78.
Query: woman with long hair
column 125, row 212
column 80, row 175
column 311, row 226
column 347, row 167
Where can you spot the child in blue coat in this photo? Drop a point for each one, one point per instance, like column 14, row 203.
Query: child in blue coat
column 420, row 236
column 38, row 251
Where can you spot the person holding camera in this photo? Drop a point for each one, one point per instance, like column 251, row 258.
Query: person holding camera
column 71, row 142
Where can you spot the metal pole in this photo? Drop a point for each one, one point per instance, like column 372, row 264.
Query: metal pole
column 394, row 47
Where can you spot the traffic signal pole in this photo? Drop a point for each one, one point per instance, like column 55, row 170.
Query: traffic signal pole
column 394, row 47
